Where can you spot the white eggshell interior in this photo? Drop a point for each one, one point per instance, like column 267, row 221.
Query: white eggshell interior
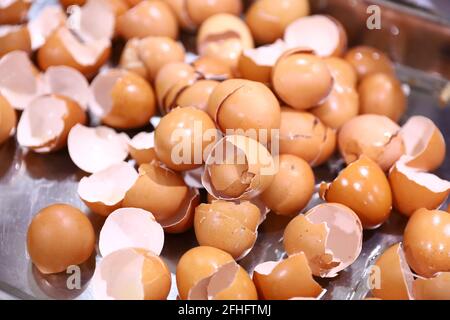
column 42, row 26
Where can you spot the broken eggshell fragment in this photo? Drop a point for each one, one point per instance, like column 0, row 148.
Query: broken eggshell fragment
column 212, row 69
column 8, row 120
column 44, row 24
column 142, row 147
column 13, row 38
column 436, row 288
column 329, row 234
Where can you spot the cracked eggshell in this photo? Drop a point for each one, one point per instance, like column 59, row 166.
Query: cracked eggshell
column 131, row 228
column 43, row 25
column 301, row 79
column 142, row 147
column 395, row 276
column 8, row 120
column 374, row 136
column 14, row 38
column 14, row 11
column 59, row 236
column 323, row 34
column 305, row 136
column 364, row 188
column 424, row 143
column 413, row 189
column 148, row 18
column 46, row 121
column 104, row 191
column 238, row 167
column 197, row 264
column 342, row 71
column 292, row 187
column 329, row 234
column 426, row 242
column 368, row 60
column 212, row 69
column 196, row 95
column 122, row 99
column 227, row 226
column 437, row 288
column 184, row 219
column 244, row 105
column 95, row 149
column 131, row 274
column 287, row 279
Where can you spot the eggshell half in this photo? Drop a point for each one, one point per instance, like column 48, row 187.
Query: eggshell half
column 44, row 24
column 142, row 147
column 15, row 37
column 437, row 288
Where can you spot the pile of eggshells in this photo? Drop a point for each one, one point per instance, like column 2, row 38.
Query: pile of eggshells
column 56, row 74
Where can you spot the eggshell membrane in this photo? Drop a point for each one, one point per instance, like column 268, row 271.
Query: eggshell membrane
column 122, row 99
column 131, row 228
column 302, row 80
column 104, row 191
column 427, row 242
column 437, row 288
column 304, row 135
column 368, row 60
column 286, row 279
column 46, row 122
column 251, row 170
column 95, row 149
column 396, row 279
column 96, row 21
column 148, row 18
column 364, row 188
column 212, row 68
column 196, row 124
column 340, row 231
column 374, row 136
column 244, row 105
column 44, row 24
column 142, row 147
column 424, row 143
column 327, row 39
column 8, row 120
column 196, row 95
column 14, row 38
column 131, row 274
column 227, row 226
column 268, row 19
column 14, row 12
column 257, row 64
column 382, row 94
column 292, row 187
column 59, row 236
column 196, row 264
column 413, row 190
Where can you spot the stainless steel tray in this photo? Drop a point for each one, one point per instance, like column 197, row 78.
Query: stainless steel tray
column 29, row 182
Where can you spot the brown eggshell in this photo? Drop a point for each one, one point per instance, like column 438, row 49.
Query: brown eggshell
column 382, row 94
column 14, row 12
column 184, row 219
column 302, row 80
column 424, row 143
column 427, row 242
column 437, row 288
column 8, row 120
column 142, row 147
column 14, row 38
column 68, row 3
column 305, row 136
column 374, row 136
column 148, row 18
column 396, row 279
column 292, row 187
column 364, row 188
column 413, row 190
column 59, row 236
column 196, row 95
column 368, row 60
column 130, row 59
column 342, row 71
column 212, row 69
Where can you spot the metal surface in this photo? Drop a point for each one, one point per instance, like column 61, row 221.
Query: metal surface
column 29, row 182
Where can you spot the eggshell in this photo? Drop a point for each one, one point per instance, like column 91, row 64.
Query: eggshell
column 368, row 60
column 244, row 105
column 292, row 187
column 148, row 18
column 183, row 138
column 46, row 122
column 14, row 38
column 59, row 236
column 197, row 264
column 8, row 120
column 329, row 234
column 184, row 219
column 374, row 136
column 131, row 228
column 49, row 19
column 142, row 147
column 243, row 172
column 104, row 191
column 212, row 68
column 196, row 95
column 286, row 279
column 364, row 188
column 322, row 34
column 424, row 143
column 396, row 279
column 301, row 79
column 95, row 149
column 344, row 74
column 131, row 274
column 122, row 99
column 382, row 94
column 68, row 3
column 305, row 136
column 427, row 242
column 413, row 190
column 14, row 11
column 437, row 288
